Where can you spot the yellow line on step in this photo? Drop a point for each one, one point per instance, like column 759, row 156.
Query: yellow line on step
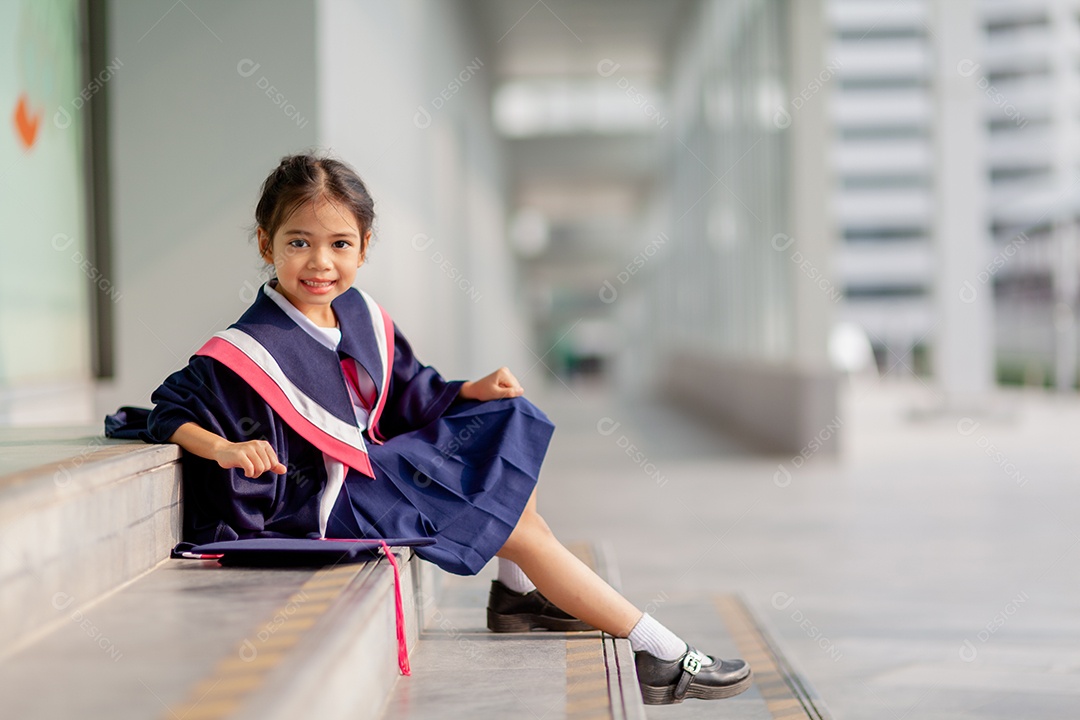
column 769, row 678
column 587, row 692
column 242, row 671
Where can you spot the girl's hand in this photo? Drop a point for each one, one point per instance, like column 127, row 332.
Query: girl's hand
column 499, row 384
column 253, row 457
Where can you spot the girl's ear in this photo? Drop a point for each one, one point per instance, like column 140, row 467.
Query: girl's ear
column 266, row 248
column 363, row 248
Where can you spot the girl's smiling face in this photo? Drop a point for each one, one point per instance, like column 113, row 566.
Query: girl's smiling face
column 316, row 254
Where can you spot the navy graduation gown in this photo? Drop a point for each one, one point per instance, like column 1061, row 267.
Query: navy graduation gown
column 428, row 464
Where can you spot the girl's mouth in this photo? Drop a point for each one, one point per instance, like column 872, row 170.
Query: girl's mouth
column 317, row 286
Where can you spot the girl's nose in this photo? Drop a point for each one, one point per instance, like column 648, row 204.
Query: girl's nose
column 319, row 258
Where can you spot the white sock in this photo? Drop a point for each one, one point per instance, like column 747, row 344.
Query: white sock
column 514, row 577
column 652, row 637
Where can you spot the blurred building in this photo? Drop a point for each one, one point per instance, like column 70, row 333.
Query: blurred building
column 1030, row 78
column 1024, row 70
column 883, row 158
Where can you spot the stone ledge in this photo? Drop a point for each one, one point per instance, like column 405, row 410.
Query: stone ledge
column 195, row 639
column 91, row 515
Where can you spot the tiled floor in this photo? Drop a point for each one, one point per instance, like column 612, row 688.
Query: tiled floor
column 930, row 571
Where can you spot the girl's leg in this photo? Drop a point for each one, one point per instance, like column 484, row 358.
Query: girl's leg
column 667, row 669
column 564, row 579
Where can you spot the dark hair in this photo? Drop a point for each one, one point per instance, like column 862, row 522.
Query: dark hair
column 299, row 179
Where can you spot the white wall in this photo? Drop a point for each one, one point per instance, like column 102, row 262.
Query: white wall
column 193, row 136
column 404, row 93
column 191, row 141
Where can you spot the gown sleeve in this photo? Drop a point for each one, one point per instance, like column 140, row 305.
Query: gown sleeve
column 224, row 504
column 418, row 393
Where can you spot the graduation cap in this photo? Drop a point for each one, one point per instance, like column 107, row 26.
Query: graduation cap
column 309, row 552
column 292, row 552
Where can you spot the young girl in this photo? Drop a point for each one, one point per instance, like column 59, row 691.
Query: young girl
column 310, row 417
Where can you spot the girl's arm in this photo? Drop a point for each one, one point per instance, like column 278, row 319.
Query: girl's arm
column 253, row 457
column 499, row 384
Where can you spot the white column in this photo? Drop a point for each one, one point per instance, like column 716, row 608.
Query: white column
column 1065, row 297
column 963, row 349
column 810, row 182
column 1063, row 72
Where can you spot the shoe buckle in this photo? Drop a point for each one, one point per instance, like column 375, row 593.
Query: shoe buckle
column 692, row 663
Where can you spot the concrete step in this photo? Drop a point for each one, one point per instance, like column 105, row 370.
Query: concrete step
column 724, row 624
column 461, row 670
column 93, row 608
column 80, row 515
column 195, row 640
column 97, row 624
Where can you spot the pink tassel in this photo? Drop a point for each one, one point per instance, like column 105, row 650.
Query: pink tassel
column 399, row 613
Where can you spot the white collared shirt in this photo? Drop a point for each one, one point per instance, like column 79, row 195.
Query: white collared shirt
column 328, row 337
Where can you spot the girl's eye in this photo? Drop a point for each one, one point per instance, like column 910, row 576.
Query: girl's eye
column 342, row 244
column 298, row 242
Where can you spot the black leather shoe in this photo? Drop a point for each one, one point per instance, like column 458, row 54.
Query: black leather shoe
column 509, row 611
column 664, row 682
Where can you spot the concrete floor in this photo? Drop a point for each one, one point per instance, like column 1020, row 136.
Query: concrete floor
column 930, row 571
column 461, row 671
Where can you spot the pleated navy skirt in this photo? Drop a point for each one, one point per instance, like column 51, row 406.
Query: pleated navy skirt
column 463, row 479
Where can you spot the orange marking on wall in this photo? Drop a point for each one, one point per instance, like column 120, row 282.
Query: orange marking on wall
column 25, row 123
